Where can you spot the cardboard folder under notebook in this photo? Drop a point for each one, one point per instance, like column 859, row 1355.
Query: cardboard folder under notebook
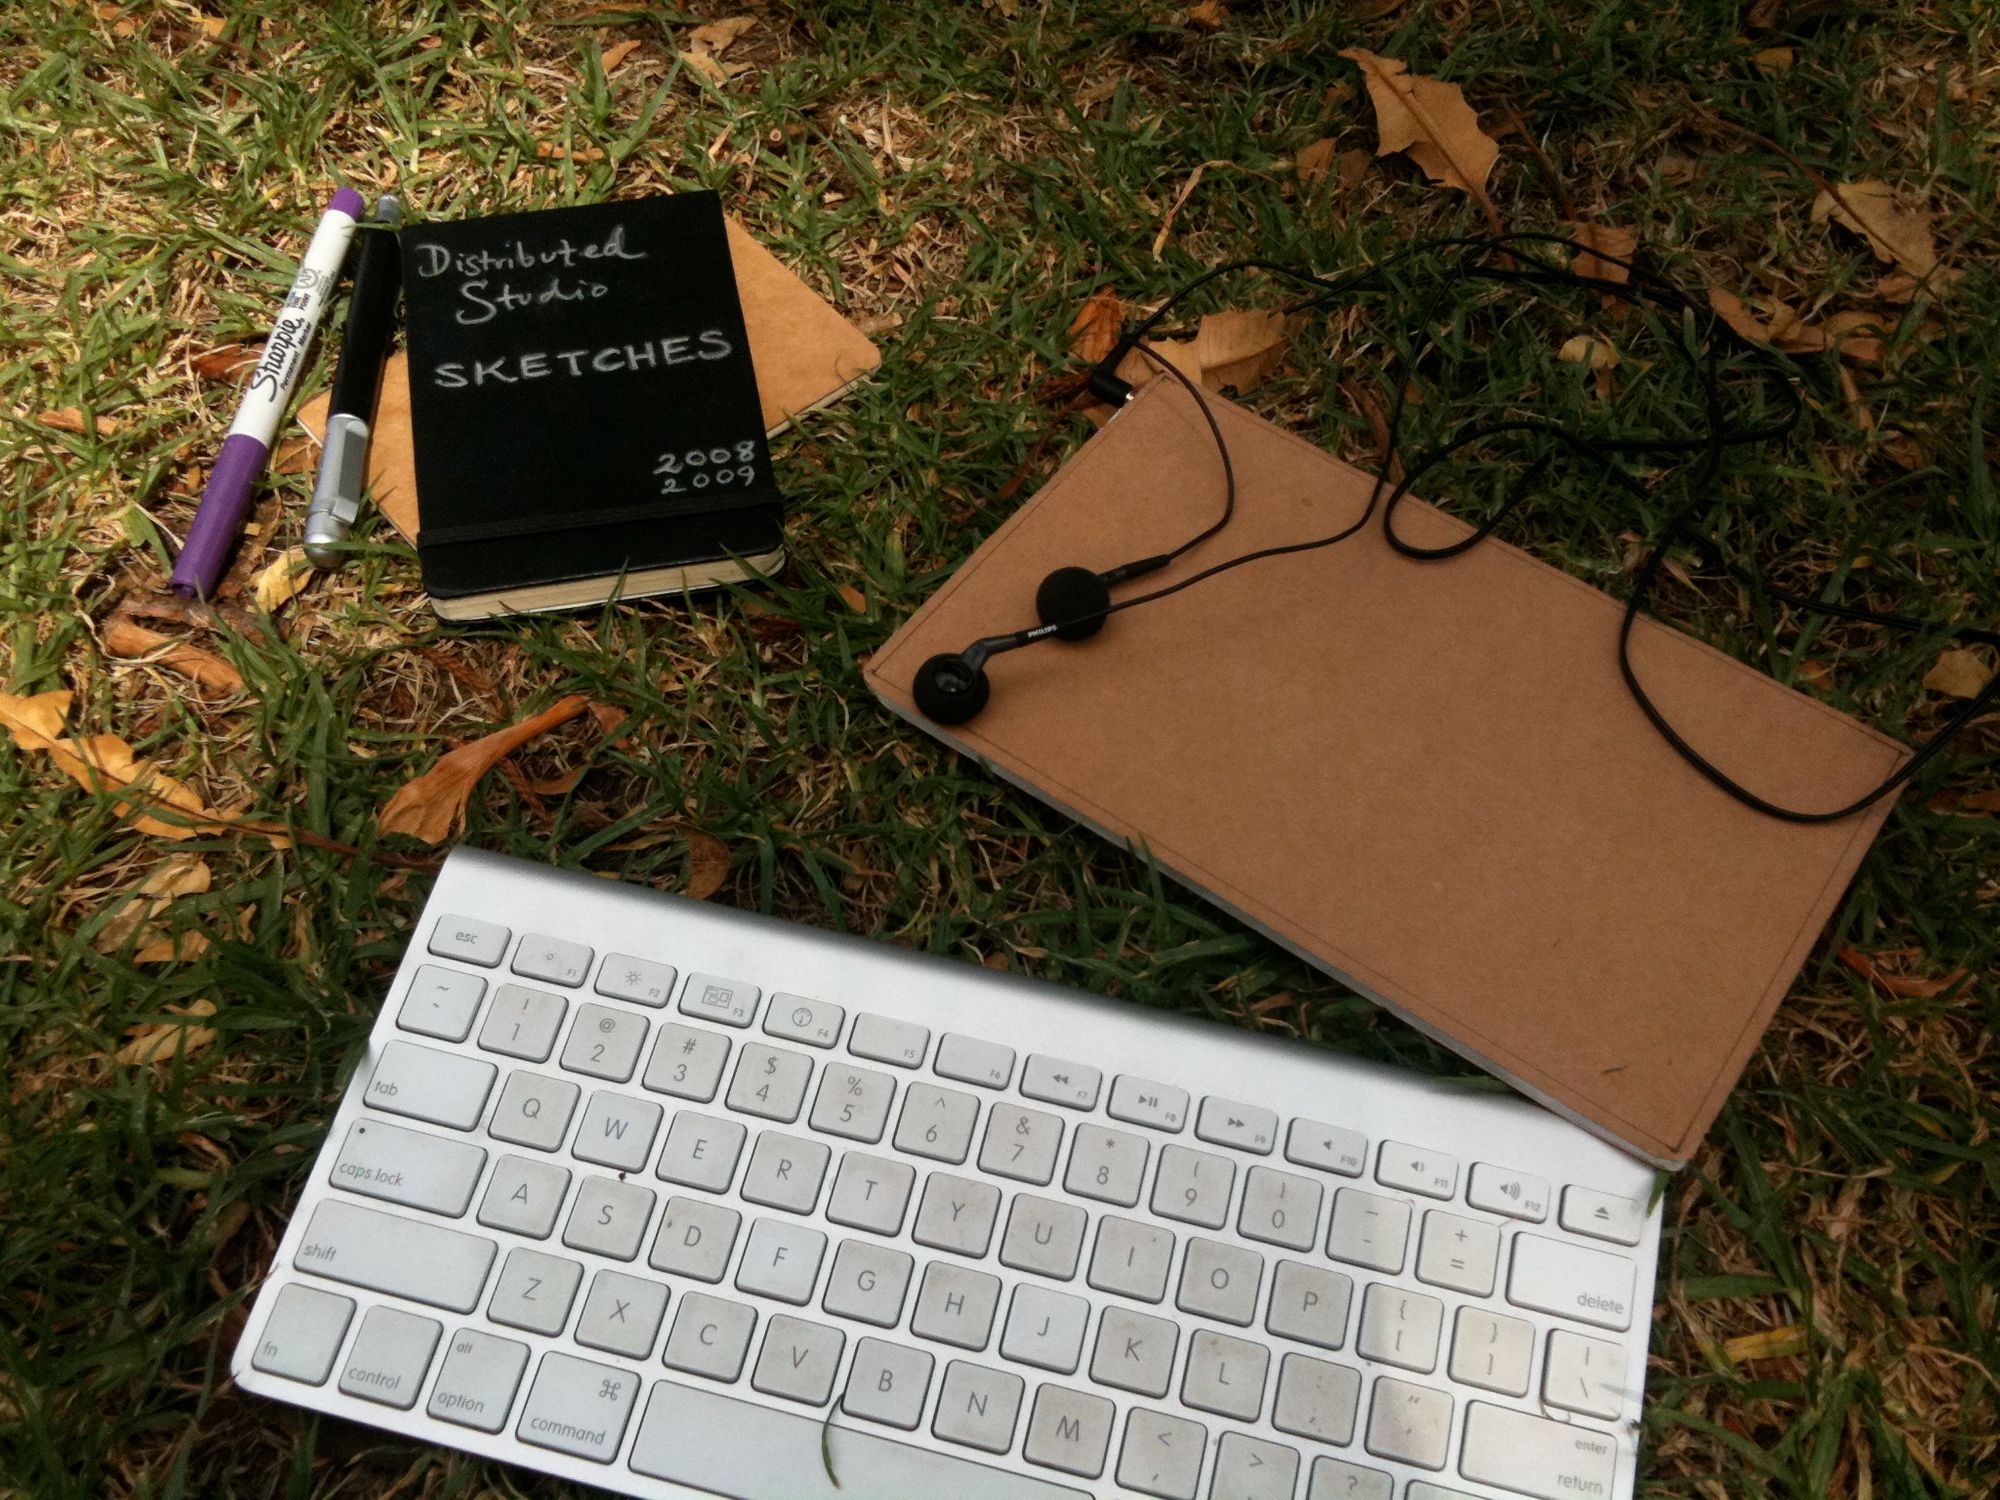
column 1426, row 778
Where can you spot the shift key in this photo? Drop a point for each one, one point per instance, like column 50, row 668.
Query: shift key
column 390, row 1253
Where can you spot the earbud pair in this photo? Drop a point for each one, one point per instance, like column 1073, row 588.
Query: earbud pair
column 1071, row 604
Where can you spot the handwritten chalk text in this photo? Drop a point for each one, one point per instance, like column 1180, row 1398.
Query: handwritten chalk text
column 513, row 369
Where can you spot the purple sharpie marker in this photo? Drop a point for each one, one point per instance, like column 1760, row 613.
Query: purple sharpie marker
column 225, row 503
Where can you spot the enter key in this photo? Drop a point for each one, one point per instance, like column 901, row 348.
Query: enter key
column 1531, row 1456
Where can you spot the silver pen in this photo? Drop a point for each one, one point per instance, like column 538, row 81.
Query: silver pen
column 371, row 315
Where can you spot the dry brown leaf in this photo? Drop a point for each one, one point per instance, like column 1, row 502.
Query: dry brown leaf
column 126, row 637
column 182, row 948
column 40, row 716
column 1899, row 287
column 1353, row 167
column 1980, row 801
column 1093, row 332
column 708, row 864
column 1771, row 1343
column 1894, row 234
column 613, row 55
column 104, row 762
column 549, row 151
column 1314, row 162
column 607, row 718
column 175, row 876
column 163, row 1041
column 227, row 361
column 1773, row 59
column 1959, row 673
column 1589, row 349
column 1603, row 239
column 71, row 419
column 1429, row 121
column 433, row 805
column 715, row 37
column 1180, row 199
column 1907, row 986
column 1229, row 350
column 1208, row 15
column 705, row 64
column 282, row 581
column 853, row 598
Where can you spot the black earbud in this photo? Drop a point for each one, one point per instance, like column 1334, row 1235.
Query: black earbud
column 950, row 688
column 1074, row 600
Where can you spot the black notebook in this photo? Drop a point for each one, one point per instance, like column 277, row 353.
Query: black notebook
column 585, row 415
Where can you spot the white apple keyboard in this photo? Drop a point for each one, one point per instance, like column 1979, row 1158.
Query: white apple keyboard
column 674, row 1200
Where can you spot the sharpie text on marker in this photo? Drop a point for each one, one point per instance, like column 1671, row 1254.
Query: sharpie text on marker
column 512, row 369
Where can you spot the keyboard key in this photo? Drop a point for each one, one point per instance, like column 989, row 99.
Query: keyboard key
column 604, row 1043
column 1337, row 1479
column 955, row 1305
column 711, row 1336
column 534, row 1110
column 687, row 1062
column 978, row 1407
column 1602, row 1216
column 778, row 1453
column 621, row 1314
column 552, row 959
column 986, row 1064
column 1161, row 1455
column 303, row 1333
column 422, row 1083
column 1417, row 1169
column 1224, row 1122
column 1328, row 1147
column 401, row 1256
column 441, row 1003
column 1043, row 1236
column 1423, row 1489
column 1134, row 1352
column 1502, row 1190
column 853, row 1102
column 385, row 1161
column 1554, row 1276
column 1107, row 1165
column 639, row 980
column 1045, row 1328
column 1309, row 1304
column 470, row 941
column 1399, row 1328
column 1280, row 1208
column 1412, row 1423
column 390, row 1355
column 1533, row 1456
column 781, row 1261
column 956, row 1214
column 729, row 1002
column 797, row 1019
column 887, row 1383
column 534, row 1291
column 868, row 1283
column 1458, row 1253
column 476, row 1384
column 1248, row 1468
column 1220, row 1281
column 1368, row 1230
column 1584, row 1375
column 523, row 1023
column 609, row 1217
column 785, row 1172
column 799, row 1360
column 1131, row 1259
column 701, row 1151
column 1140, row 1101
column 1193, row 1186
column 694, row 1239
column 578, row 1406
column 770, row 1082
column 1317, row 1399
column 871, row 1192
column 1492, row 1352
column 1055, row 1080
column 901, row 1044
column 617, row 1131
column 1021, row 1144
column 937, row 1123
column 1069, row 1430
column 1225, row 1375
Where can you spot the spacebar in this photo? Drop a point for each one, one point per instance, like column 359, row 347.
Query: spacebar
column 754, row 1453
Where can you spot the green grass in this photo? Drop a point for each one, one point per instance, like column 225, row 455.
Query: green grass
column 959, row 176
